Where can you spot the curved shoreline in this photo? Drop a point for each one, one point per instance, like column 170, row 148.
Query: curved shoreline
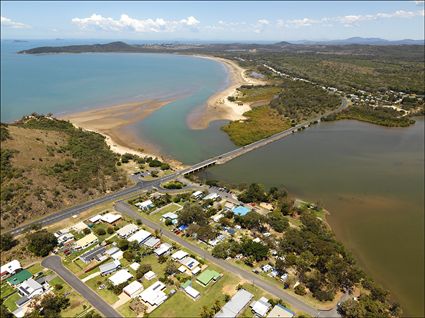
column 218, row 107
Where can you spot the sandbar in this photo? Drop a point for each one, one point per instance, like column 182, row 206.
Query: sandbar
column 218, row 107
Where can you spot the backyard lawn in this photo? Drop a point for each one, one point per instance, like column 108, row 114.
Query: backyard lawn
column 106, row 294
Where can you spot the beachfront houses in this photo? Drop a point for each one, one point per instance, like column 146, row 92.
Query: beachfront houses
column 127, row 230
column 235, row 305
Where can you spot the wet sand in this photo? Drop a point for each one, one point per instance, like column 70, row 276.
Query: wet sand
column 218, row 107
column 114, row 123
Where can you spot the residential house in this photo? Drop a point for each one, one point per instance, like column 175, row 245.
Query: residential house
column 170, row 216
column 120, row 277
column 127, row 230
column 95, row 218
column 261, row 307
column 154, row 295
column 79, row 227
column 162, row 249
column 192, row 292
column 133, row 289
column 149, row 275
column 140, row 236
column 145, row 205
column 212, row 196
column 189, row 262
column 86, row 241
column 135, row 266
column 10, row 268
column 280, row 311
column 65, row 239
column 152, row 242
column 235, row 305
column 111, row 218
column 19, row 277
column 110, row 267
column 207, row 276
column 179, row 255
column 94, row 253
column 197, row 194
column 30, row 289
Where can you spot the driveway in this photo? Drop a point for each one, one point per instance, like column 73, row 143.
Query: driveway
column 54, row 263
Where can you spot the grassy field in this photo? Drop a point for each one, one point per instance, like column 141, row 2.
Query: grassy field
column 34, row 269
column 6, row 290
column 181, row 305
column 261, row 122
column 10, row 302
column 106, row 294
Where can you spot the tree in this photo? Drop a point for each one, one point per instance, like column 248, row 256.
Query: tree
column 300, row 290
column 254, row 249
column 170, row 268
column 221, row 250
column 122, row 244
column 128, row 255
column 254, row 193
column 192, row 213
column 110, row 230
column 51, row 305
column 87, row 231
column 251, row 220
column 7, row 242
column 101, row 231
column 41, row 243
column 142, row 270
column 277, row 221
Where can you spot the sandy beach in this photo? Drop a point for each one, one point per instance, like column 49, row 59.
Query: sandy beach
column 218, row 106
column 113, row 122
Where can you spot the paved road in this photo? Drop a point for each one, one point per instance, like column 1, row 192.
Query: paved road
column 249, row 276
column 54, row 263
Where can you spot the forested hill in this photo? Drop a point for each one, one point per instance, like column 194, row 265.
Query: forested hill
column 109, row 47
column 48, row 164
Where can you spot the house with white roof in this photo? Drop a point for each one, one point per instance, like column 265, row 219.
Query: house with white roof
column 110, row 267
column 127, row 230
column 30, row 288
column 170, row 216
column 95, row 218
column 162, row 249
column 120, row 277
column 211, row 196
column 149, row 275
column 261, row 307
column 145, row 205
column 189, row 262
column 152, row 242
column 139, row 237
column 135, row 266
column 235, row 305
column 154, row 295
column 10, row 268
column 111, row 217
column 280, row 311
column 197, row 194
column 79, row 227
column 179, row 255
column 133, row 289
column 192, row 292
column 65, row 239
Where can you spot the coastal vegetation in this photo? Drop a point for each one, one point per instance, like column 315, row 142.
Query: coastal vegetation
column 376, row 115
column 261, row 122
column 47, row 163
column 256, row 94
column 300, row 101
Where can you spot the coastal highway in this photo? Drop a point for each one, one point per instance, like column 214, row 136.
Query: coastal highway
column 55, row 264
column 247, row 275
column 144, row 185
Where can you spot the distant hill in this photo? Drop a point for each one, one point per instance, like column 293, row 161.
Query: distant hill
column 363, row 41
column 109, row 47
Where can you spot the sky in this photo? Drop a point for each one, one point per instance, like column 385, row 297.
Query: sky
column 212, row 21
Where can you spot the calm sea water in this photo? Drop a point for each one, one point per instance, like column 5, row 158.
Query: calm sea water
column 370, row 178
column 61, row 83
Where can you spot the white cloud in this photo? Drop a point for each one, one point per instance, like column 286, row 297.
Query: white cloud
column 9, row 23
column 127, row 23
column 351, row 20
column 263, row 22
